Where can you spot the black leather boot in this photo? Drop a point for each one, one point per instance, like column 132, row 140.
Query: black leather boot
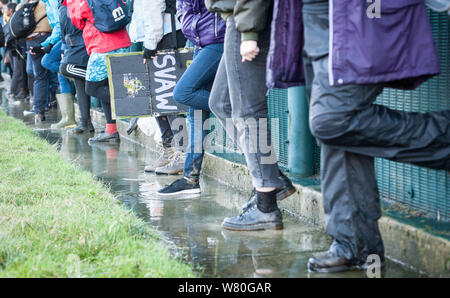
column 329, row 262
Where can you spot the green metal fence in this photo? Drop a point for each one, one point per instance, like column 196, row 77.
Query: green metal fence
column 421, row 189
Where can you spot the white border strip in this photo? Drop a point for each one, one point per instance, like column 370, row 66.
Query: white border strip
column 330, row 50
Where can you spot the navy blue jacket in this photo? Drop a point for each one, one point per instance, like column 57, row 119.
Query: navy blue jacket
column 73, row 42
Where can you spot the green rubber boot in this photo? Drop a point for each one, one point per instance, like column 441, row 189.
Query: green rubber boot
column 65, row 103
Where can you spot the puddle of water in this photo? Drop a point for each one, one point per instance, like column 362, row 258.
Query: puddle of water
column 192, row 225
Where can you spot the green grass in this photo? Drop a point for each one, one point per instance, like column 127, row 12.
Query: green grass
column 57, row 221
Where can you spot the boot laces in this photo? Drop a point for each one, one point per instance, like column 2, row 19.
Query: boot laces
column 176, row 157
column 248, row 210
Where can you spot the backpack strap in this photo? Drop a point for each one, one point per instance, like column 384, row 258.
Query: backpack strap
column 35, row 4
column 131, row 10
column 41, row 19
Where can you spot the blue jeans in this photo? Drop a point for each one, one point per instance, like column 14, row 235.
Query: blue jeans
column 52, row 61
column 30, row 68
column 41, row 76
column 193, row 90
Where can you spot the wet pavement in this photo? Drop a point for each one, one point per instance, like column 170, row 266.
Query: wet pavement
column 192, row 225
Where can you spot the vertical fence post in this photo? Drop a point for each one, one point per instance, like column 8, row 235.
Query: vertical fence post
column 301, row 142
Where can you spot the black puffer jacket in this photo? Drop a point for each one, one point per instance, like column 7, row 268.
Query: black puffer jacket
column 251, row 16
column 72, row 39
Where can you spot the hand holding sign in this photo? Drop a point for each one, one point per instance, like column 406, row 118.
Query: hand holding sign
column 149, row 55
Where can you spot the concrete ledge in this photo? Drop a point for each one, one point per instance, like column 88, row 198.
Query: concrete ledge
column 415, row 247
column 403, row 243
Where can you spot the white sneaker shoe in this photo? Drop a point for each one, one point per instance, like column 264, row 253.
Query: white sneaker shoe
column 175, row 166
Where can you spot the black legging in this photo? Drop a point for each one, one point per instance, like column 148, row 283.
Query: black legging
column 78, row 74
column 84, row 102
column 101, row 91
column 166, row 131
column 19, row 76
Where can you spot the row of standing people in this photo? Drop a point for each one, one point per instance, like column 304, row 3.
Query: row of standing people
column 228, row 78
column 14, row 58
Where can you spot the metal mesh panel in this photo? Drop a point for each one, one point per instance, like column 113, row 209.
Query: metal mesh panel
column 278, row 111
column 424, row 190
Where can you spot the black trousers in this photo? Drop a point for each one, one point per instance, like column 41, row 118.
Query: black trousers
column 19, row 80
column 78, row 74
column 101, row 91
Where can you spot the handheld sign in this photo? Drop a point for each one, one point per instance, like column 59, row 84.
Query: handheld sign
column 139, row 89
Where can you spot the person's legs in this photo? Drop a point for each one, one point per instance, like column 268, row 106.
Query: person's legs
column 2, row 55
column 350, row 194
column 9, row 63
column 30, row 67
column 101, row 91
column 84, row 104
column 195, row 150
column 64, row 84
column 97, row 85
column 193, row 89
column 41, row 79
column 249, row 107
column 20, row 65
column 166, row 131
column 351, row 218
column 351, row 203
column 172, row 159
column 250, row 117
column 220, row 104
column 168, row 149
column 52, row 62
column 18, row 81
column 192, row 163
column 352, row 130
column 78, row 74
column 30, row 74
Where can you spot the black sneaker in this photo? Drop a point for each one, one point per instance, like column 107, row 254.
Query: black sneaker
column 254, row 219
column 283, row 192
column 180, row 186
column 104, row 137
column 132, row 126
column 40, row 117
column 329, row 262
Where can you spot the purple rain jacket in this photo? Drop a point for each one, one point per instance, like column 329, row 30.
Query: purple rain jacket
column 199, row 25
column 397, row 49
